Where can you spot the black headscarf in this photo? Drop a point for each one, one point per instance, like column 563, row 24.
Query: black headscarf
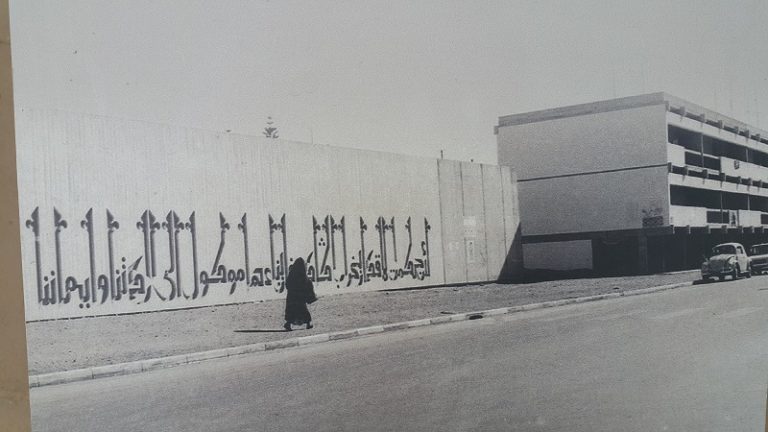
column 297, row 274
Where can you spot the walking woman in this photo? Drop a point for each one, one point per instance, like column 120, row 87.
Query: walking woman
column 300, row 293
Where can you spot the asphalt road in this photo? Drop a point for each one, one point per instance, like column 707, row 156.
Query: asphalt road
column 693, row 359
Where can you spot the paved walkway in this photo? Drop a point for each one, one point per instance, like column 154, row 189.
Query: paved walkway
column 80, row 343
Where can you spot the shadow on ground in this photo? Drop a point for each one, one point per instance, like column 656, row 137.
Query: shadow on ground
column 262, row 331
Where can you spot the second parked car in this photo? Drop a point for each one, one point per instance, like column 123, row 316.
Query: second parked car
column 758, row 257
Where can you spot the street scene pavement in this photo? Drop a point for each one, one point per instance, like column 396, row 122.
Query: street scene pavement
column 61, row 345
column 692, row 358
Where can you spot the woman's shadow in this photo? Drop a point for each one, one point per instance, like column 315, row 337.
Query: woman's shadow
column 282, row 330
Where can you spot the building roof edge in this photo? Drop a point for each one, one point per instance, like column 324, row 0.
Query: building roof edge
column 583, row 109
column 628, row 102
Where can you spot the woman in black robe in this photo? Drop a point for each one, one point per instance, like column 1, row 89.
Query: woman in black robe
column 300, row 293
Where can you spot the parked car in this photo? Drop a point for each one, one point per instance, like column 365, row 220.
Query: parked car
column 727, row 259
column 758, row 257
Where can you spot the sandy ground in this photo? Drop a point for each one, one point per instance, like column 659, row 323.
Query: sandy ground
column 72, row 344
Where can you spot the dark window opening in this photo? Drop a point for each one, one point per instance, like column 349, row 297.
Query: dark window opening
column 692, row 197
column 735, row 201
column 727, row 217
column 758, row 203
column 683, row 137
column 712, row 199
column 717, row 147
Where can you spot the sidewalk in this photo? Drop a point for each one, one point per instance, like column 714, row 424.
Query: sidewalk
column 62, row 345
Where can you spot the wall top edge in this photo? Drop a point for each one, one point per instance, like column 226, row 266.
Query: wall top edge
column 263, row 141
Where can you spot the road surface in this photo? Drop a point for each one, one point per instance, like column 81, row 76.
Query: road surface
column 693, row 359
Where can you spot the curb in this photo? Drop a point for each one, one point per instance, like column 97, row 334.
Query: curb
column 182, row 359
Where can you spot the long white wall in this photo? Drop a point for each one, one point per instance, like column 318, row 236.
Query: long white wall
column 125, row 216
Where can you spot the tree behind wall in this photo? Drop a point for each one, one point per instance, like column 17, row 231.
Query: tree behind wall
column 270, row 131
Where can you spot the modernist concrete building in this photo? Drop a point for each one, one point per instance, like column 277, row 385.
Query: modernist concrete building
column 639, row 184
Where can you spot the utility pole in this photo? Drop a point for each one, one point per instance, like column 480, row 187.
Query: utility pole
column 14, row 376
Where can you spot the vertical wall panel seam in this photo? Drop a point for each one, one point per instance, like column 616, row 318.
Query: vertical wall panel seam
column 503, row 212
column 463, row 216
column 485, row 225
column 442, row 220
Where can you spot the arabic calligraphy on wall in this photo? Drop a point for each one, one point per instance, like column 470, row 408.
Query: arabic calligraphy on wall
column 169, row 267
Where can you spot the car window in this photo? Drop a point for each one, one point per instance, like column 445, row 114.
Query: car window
column 724, row 249
column 759, row 250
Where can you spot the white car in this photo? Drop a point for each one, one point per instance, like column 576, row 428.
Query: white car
column 727, row 259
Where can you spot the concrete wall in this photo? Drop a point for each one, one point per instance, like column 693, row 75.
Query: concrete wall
column 584, row 143
column 569, row 255
column 481, row 222
column 126, row 216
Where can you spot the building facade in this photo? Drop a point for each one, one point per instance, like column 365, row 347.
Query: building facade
column 634, row 185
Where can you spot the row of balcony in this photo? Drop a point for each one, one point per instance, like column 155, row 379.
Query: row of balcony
column 733, row 135
column 679, row 156
column 702, row 217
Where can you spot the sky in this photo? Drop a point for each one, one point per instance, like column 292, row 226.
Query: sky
column 415, row 77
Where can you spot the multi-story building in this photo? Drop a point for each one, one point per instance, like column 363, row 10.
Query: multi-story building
column 634, row 185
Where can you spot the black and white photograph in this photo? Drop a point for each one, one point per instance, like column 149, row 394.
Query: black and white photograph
column 406, row 215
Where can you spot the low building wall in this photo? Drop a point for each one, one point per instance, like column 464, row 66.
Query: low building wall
column 561, row 256
column 126, row 216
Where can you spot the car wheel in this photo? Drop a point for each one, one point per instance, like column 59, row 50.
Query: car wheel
column 749, row 271
column 736, row 273
column 721, row 278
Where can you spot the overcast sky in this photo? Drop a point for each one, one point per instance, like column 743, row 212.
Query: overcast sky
column 405, row 76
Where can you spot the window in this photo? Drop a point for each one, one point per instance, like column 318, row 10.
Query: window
column 724, row 249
